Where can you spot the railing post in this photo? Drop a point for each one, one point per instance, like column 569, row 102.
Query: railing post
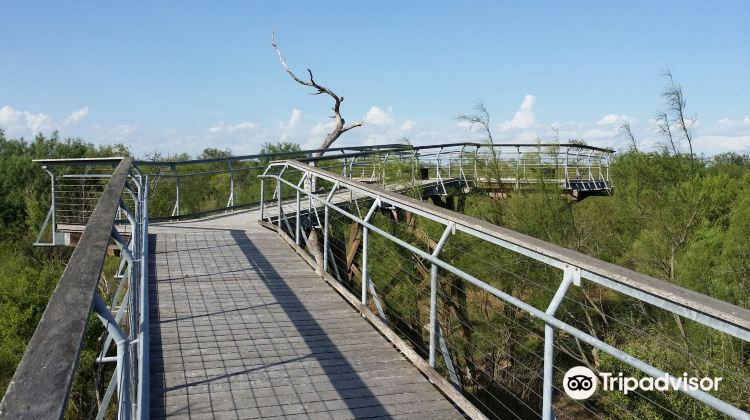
column 571, row 275
column 365, row 277
column 53, row 209
column 53, row 205
column 296, row 221
column 278, row 205
column 364, row 266
column 325, row 227
column 143, row 339
column 325, row 238
column 433, row 290
column 231, row 184
column 607, row 168
column 176, row 211
column 262, row 199
column 123, row 355
column 518, row 167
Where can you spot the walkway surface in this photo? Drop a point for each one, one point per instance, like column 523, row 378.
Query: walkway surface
column 242, row 327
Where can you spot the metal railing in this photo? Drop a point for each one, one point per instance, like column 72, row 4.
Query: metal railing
column 82, row 192
column 572, row 168
column 195, row 188
column 42, row 382
column 338, row 199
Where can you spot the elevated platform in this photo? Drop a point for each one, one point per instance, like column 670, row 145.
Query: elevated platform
column 243, row 327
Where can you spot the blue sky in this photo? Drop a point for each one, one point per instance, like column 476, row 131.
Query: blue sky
column 178, row 77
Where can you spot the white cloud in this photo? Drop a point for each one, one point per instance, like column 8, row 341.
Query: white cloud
column 287, row 129
column 242, row 127
column 464, row 124
column 294, row 119
column 712, row 144
column 20, row 123
column 407, row 125
column 377, row 116
column 728, row 125
column 613, row 119
column 321, row 128
column 524, row 117
column 76, row 116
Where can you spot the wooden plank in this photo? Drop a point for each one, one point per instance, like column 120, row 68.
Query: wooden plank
column 242, row 327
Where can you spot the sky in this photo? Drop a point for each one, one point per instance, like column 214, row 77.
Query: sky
column 178, row 77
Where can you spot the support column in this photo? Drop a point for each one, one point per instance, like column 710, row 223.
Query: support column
column 451, row 228
column 365, row 276
column 571, row 275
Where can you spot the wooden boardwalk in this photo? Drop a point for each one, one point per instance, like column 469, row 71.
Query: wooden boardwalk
column 242, row 327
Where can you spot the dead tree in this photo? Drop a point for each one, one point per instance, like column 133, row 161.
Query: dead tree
column 627, row 131
column 340, row 126
column 674, row 120
column 482, row 119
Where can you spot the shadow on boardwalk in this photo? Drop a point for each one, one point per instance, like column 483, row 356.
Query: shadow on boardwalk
column 344, row 376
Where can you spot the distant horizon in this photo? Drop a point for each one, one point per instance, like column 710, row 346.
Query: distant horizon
column 168, row 80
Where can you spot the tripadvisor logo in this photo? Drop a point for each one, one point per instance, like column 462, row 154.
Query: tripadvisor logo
column 581, row 382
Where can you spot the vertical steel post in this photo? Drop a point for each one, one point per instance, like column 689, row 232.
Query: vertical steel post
column 231, row 184
column 325, row 238
column 476, row 169
column 365, row 277
column 450, row 228
column 608, row 157
column 364, row 265
column 518, row 167
column 325, row 228
column 296, row 221
column 143, row 339
column 262, row 199
column 278, row 205
column 52, row 206
column 177, row 201
column 123, row 348
column 571, row 275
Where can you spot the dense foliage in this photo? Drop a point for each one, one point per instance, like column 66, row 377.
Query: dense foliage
column 674, row 217
column 28, row 275
column 681, row 219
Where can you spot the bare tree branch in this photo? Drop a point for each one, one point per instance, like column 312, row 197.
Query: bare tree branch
column 628, row 132
column 340, row 126
column 662, row 124
column 481, row 117
column 676, row 105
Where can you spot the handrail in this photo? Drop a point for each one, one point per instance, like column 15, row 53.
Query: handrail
column 581, row 146
column 281, row 155
column 735, row 320
column 270, row 155
column 42, row 382
column 713, row 313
